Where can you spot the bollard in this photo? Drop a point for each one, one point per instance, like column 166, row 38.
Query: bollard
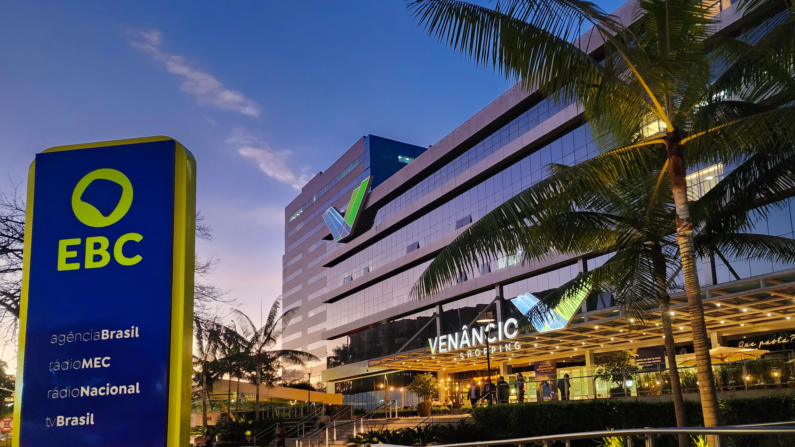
column 326, row 436
column 335, row 430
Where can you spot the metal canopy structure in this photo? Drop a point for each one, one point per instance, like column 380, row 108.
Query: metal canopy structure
column 757, row 304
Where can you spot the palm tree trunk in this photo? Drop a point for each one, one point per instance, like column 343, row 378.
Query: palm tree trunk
column 673, row 370
column 684, row 237
column 229, row 399
column 661, row 278
column 256, row 404
column 204, row 412
column 237, row 398
column 204, row 400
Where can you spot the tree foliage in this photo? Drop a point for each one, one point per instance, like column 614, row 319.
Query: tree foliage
column 662, row 91
column 423, row 385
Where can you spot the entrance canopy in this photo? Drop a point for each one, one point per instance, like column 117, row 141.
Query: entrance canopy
column 763, row 303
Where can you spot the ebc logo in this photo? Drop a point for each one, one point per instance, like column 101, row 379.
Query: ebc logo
column 96, row 247
column 342, row 227
column 88, row 213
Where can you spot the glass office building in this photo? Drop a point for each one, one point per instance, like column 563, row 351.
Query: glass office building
column 356, row 312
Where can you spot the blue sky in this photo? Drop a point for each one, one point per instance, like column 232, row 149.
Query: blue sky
column 264, row 93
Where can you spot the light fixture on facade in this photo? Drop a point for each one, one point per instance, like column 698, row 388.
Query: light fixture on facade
column 722, row 321
column 745, row 309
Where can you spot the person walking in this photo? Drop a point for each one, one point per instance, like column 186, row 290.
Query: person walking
column 563, row 387
column 519, row 388
column 209, row 437
column 503, row 393
column 488, row 391
column 281, row 437
column 474, row 393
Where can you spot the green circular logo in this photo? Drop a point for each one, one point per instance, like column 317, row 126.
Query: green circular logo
column 88, row 213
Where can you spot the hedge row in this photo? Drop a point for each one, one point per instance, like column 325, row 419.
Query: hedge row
column 527, row 420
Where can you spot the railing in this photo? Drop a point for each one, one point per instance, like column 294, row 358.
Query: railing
column 332, row 427
column 430, row 416
column 297, row 428
column 740, row 375
column 647, row 435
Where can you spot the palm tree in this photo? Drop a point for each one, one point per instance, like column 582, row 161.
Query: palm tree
column 207, row 339
column 634, row 223
column 662, row 93
column 258, row 342
column 232, row 362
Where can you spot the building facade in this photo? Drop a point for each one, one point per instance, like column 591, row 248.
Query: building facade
column 356, row 309
column 307, row 237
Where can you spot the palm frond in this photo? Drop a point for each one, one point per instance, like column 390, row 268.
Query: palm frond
column 747, row 246
column 529, row 41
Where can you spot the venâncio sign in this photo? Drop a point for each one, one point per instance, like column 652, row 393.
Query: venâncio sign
column 107, row 296
column 472, row 339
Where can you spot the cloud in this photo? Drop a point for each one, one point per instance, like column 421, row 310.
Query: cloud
column 272, row 162
column 207, row 90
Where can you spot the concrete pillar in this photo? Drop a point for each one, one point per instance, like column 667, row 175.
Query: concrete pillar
column 438, row 320
column 505, row 369
column 330, row 389
column 498, row 303
column 709, row 272
column 443, row 383
column 716, row 338
column 582, row 266
column 589, row 365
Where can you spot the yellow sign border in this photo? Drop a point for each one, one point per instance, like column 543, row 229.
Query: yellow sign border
column 181, row 343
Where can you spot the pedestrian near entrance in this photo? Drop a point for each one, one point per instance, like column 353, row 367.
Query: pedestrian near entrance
column 520, row 388
column 474, row 393
column 563, row 387
column 209, row 437
column 488, row 391
column 281, row 437
column 323, row 421
column 545, row 391
column 503, row 393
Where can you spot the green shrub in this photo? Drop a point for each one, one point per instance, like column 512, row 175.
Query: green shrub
column 533, row 419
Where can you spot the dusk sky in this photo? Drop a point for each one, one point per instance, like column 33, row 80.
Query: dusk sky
column 264, row 93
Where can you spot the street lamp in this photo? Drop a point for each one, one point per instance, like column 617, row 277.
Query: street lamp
column 487, row 319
